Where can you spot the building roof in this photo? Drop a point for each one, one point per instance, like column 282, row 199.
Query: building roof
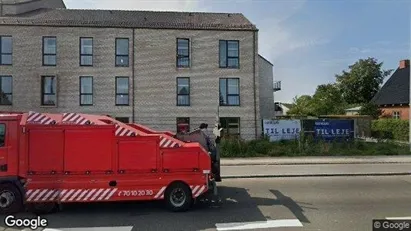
column 353, row 109
column 131, row 19
column 396, row 90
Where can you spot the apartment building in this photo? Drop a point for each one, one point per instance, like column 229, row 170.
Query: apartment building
column 167, row 70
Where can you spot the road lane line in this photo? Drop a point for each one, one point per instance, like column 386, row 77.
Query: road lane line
column 398, row 218
column 259, row 224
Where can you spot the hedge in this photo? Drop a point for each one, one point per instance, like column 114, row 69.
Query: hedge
column 393, row 129
column 264, row 148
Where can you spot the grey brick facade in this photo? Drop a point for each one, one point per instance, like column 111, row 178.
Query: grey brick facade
column 152, row 74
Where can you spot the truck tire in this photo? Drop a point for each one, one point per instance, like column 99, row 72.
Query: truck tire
column 11, row 200
column 178, row 197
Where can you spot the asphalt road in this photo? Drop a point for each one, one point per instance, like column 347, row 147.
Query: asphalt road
column 323, row 203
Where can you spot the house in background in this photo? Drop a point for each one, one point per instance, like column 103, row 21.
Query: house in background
column 281, row 109
column 353, row 111
column 394, row 96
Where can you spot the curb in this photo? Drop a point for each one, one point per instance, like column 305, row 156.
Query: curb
column 317, row 175
column 318, row 163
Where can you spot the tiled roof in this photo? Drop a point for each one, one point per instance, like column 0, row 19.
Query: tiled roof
column 131, row 19
column 396, row 90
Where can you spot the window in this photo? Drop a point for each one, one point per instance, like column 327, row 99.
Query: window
column 86, row 90
column 122, row 98
column 48, row 91
column 123, row 119
column 183, row 52
column 49, row 51
column 396, row 115
column 229, row 92
column 122, row 52
column 230, row 125
column 6, row 85
column 229, row 54
column 183, row 91
column 2, row 135
column 86, row 51
column 6, row 50
column 183, row 124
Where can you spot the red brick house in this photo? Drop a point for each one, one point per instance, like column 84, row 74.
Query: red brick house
column 394, row 96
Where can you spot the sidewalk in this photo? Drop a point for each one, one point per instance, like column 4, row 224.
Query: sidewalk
column 315, row 160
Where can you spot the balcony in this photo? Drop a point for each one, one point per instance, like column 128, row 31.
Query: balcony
column 277, row 86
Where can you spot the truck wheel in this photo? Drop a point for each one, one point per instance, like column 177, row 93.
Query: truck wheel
column 11, row 200
column 178, row 197
column 42, row 208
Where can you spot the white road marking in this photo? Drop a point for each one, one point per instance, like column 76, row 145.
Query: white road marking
column 259, row 224
column 117, row 228
column 398, row 218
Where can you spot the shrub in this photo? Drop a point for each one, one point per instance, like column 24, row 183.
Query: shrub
column 392, row 129
column 309, row 147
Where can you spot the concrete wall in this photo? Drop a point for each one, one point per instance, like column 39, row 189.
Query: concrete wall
column 266, row 88
column 154, row 79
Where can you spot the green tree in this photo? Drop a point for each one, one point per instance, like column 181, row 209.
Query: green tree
column 327, row 100
column 301, row 106
column 371, row 110
column 362, row 81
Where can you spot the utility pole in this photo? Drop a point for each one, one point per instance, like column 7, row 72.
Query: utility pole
column 409, row 112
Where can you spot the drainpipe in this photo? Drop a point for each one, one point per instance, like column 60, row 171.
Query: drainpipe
column 132, row 74
column 254, row 77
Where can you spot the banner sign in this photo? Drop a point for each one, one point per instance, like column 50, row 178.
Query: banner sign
column 282, row 129
column 334, row 129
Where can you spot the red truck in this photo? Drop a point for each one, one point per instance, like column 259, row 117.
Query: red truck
column 50, row 159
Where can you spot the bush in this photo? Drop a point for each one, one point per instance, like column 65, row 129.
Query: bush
column 392, row 129
column 309, row 147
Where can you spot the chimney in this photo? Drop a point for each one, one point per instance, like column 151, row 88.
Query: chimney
column 404, row 63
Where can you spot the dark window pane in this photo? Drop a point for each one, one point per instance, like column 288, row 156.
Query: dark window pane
column 183, row 47
column 6, row 59
column 123, row 119
column 49, row 100
column 86, row 60
column 122, row 86
column 86, row 99
column 183, row 125
column 223, row 53
column 6, row 85
column 232, row 48
column 122, row 46
column 86, row 46
column 6, row 99
column 49, row 85
column 233, row 86
column 50, row 46
column 183, row 62
column 183, row 100
column 183, row 86
column 232, row 62
column 49, row 60
column 233, row 100
column 6, row 45
column 122, row 60
column 86, row 85
column 122, row 99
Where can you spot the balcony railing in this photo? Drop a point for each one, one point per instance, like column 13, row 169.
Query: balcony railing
column 277, row 86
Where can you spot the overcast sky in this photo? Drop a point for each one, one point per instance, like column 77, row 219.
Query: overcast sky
column 308, row 41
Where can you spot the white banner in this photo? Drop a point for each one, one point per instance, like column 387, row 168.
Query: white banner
column 282, row 129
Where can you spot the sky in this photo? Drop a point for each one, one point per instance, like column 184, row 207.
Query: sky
column 308, row 41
